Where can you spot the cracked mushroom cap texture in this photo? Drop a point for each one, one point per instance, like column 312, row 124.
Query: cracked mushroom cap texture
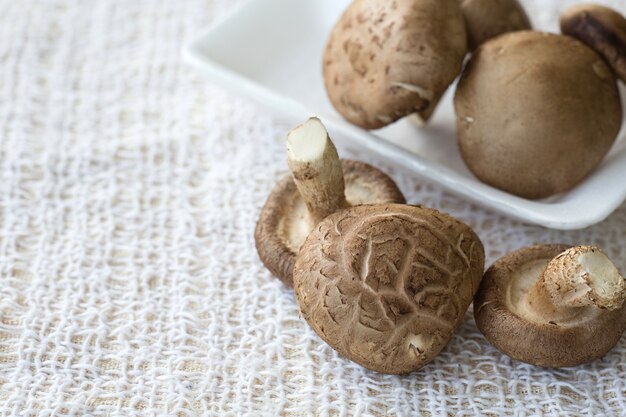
column 387, row 285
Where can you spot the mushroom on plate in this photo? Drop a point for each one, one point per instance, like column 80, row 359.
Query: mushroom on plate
column 385, row 60
column 486, row 19
column 320, row 184
column 536, row 113
column 603, row 29
column 386, row 285
column 552, row 305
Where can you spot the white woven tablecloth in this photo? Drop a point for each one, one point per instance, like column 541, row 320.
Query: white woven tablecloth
column 129, row 282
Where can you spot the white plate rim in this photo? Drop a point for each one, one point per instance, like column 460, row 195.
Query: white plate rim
column 550, row 215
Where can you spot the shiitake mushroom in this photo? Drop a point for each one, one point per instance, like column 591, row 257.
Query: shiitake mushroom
column 387, row 285
column 536, row 113
column 385, row 60
column 319, row 184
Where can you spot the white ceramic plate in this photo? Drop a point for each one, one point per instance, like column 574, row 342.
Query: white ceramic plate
column 270, row 51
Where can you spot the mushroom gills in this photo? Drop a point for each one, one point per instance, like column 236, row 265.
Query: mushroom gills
column 523, row 279
column 298, row 223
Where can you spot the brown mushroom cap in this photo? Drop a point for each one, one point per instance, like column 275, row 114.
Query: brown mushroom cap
column 387, row 59
column 504, row 318
column 536, row 113
column 387, row 285
column 603, row 29
column 486, row 19
column 285, row 221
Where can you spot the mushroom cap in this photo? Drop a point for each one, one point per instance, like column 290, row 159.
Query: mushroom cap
column 285, row 222
column 387, row 59
column 603, row 29
column 536, row 113
column 500, row 316
column 387, row 285
column 486, row 19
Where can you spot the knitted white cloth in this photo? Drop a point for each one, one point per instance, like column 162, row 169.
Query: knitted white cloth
column 129, row 281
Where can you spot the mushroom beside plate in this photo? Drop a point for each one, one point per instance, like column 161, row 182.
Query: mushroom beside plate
column 271, row 51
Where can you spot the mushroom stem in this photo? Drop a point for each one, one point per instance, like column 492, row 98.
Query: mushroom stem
column 580, row 277
column 316, row 169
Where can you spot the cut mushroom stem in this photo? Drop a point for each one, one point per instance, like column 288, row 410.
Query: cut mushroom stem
column 316, row 169
column 580, row 277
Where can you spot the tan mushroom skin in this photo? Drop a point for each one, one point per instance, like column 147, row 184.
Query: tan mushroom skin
column 319, row 185
column 385, row 60
column 552, row 305
column 603, row 29
column 387, row 285
column 486, row 19
column 536, row 113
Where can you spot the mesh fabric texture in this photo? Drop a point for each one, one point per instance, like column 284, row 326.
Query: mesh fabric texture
column 129, row 282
